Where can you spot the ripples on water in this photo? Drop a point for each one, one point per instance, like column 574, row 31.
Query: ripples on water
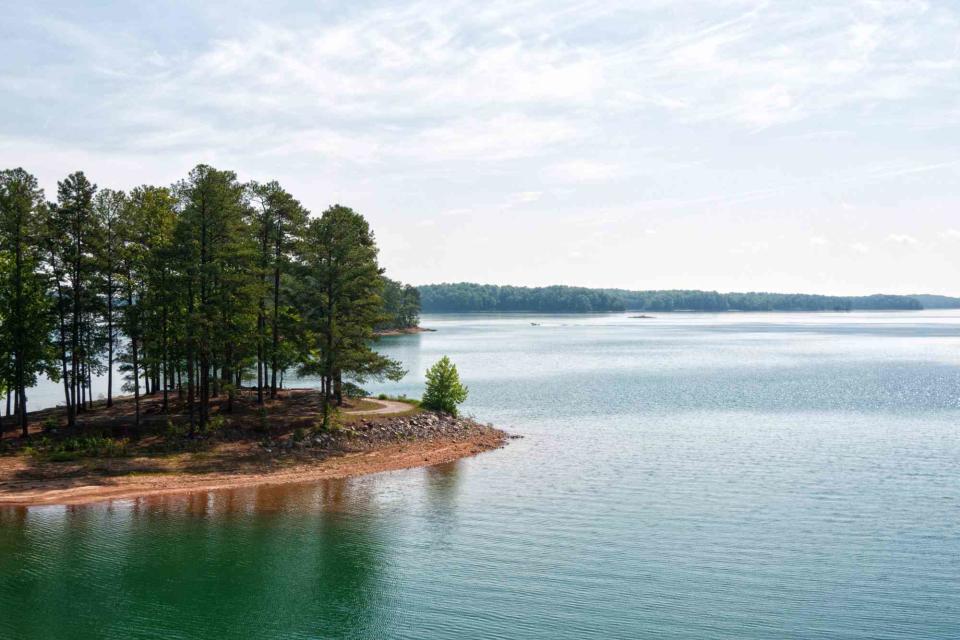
column 735, row 476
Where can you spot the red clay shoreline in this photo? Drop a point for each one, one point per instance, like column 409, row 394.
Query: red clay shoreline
column 367, row 442
column 97, row 488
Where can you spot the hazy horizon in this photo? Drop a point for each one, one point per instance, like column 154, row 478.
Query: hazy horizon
column 737, row 145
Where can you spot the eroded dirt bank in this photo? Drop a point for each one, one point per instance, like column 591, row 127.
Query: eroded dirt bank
column 285, row 448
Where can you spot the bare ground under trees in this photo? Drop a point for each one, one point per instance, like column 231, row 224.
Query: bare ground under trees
column 105, row 457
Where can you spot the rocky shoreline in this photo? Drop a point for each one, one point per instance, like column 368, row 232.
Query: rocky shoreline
column 370, row 433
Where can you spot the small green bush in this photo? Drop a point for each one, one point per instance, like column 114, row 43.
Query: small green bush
column 299, row 434
column 78, row 447
column 175, row 430
column 334, row 421
column 444, row 390
column 215, row 423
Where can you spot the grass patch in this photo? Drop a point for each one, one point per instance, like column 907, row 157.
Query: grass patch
column 400, row 398
column 77, row 447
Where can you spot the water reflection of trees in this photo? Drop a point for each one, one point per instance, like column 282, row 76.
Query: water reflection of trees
column 442, row 487
column 271, row 561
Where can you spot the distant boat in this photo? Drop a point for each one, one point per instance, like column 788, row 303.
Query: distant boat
column 534, row 324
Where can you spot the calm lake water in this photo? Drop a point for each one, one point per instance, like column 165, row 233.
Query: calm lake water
column 687, row 476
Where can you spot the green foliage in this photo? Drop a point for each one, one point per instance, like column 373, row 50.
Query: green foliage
column 332, row 421
column 352, row 390
column 339, row 288
column 400, row 398
column 195, row 284
column 444, row 390
column 78, row 447
column 299, row 434
column 215, row 423
column 465, row 296
column 175, row 430
column 401, row 306
column 755, row 301
column 25, row 319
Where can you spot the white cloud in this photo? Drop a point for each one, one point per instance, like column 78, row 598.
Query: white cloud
column 448, row 79
column 716, row 117
column 760, row 246
column 951, row 234
column 859, row 247
column 902, row 239
column 585, row 171
column 522, row 198
column 819, row 241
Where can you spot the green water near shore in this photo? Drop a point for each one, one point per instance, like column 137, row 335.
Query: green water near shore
column 686, row 476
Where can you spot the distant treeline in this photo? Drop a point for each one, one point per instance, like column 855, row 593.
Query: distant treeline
column 936, row 302
column 466, row 296
column 758, row 301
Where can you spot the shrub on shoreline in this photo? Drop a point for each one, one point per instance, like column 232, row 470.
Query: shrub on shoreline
column 444, row 390
column 78, row 447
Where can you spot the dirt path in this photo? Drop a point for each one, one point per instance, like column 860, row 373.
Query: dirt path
column 387, row 407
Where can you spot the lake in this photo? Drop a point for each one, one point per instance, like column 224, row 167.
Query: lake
column 686, row 476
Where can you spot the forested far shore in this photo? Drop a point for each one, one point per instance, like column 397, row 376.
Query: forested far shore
column 191, row 288
column 470, row 297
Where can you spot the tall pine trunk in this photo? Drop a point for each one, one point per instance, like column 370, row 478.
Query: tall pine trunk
column 71, row 415
column 75, row 334
column 276, row 311
column 261, row 327
column 191, row 358
column 110, row 341
column 166, row 365
column 19, row 339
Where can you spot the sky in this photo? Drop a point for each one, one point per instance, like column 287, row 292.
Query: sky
column 736, row 145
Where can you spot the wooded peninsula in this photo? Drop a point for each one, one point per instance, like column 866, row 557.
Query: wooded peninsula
column 202, row 295
column 192, row 288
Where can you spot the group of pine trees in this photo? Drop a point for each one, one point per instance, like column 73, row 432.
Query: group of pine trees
column 188, row 289
column 401, row 305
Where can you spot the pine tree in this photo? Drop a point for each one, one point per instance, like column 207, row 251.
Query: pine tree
column 216, row 252
column 340, row 302
column 72, row 241
column 108, row 208
column 26, row 323
column 279, row 224
column 209, row 278
column 75, row 206
column 153, row 223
